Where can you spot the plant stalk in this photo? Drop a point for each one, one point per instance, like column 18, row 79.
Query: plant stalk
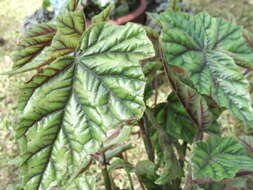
column 106, row 175
column 166, row 145
column 189, row 181
column 141, row 184
column 171, row 78
column 146, row 139
column 175, row 5
column 130, row 180
column 155, row 87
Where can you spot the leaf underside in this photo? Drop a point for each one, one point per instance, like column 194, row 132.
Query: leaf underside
column 68, row 108
column 219, row 158
column 210, row 50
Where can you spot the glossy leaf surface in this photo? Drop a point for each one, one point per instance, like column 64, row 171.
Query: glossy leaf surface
column 68, row 108
column 194, row 104
column 70, row 28
column 33, row 43
column 175, row 120
column 219, row 158
column 209, row 49
column 185, row 112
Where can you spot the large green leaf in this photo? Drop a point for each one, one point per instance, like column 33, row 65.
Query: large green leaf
column 194, row 104
column 33, row 43
column 175, row 120
column 219, row 158
column 208, row 49
column 68, row 108
column 70, row 28
column 185, row 111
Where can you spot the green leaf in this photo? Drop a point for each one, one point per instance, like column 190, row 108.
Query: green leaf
column 68, row 6
column 195, row 105
column 117, row 151
column 185, row 111
column 67, row 109
column 121, row 164
column 70, row 28
column 32, row 43
column 175, row 120
column 145, row 170
column 213, row 186
column 151, row 69
column 247, row 141
column 104, row 15
column 72, row 25
column 46, row 4
column 121, row 137
column 219, row 158
column 171, row 171
column 208, row 49
column 164, row 145
column 72, row 5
